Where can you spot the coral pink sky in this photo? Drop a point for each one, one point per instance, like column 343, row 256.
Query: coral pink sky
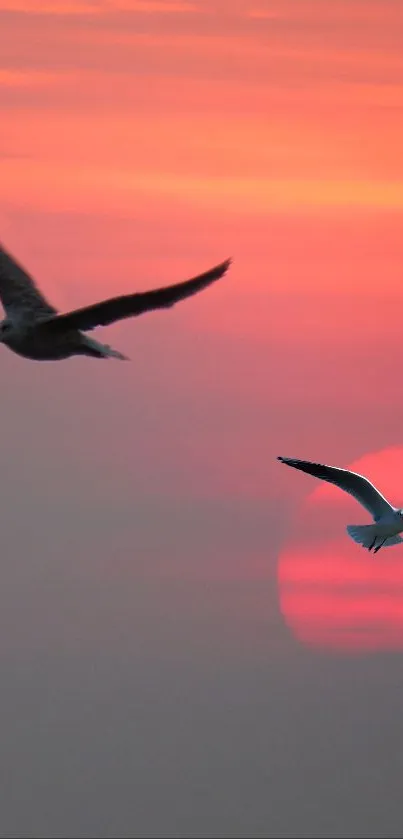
column 155, row 651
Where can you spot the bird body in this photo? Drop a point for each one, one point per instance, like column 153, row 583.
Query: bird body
column 388, row 520
column 33, row 328
column 29, row 341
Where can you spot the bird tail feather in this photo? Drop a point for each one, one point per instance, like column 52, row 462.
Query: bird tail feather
column 111, row 353
column 363, row 534
column 89, row 346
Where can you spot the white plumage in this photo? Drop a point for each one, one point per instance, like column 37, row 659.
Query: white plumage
column 388, row 520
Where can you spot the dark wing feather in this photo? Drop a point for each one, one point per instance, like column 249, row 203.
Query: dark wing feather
column 351, row 482
column 18, row 293
column 130, row 305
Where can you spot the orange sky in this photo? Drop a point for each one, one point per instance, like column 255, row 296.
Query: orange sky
column 267, row 107
column 179, row 645
column 142, row 141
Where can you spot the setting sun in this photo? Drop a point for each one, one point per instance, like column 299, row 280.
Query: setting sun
column 332, row 592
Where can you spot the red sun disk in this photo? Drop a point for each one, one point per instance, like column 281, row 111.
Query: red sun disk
column 334, row 594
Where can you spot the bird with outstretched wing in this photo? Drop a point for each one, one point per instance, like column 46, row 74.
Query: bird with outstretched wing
column 33, row 328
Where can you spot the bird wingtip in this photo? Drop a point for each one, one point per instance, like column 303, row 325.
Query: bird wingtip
column 227, row 263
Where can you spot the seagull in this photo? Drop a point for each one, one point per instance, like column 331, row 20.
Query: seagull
column 34, row 329
column 388, row 520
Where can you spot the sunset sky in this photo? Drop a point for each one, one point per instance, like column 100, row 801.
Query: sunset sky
column 190, row 644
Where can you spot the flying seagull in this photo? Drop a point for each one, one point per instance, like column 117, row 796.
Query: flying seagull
column 34, row 329
column 388, row 520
